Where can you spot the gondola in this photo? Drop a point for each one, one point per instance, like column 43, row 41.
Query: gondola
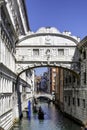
column 40, row 114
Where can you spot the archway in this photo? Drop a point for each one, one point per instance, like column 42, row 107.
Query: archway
column 18, row 77
column 47, row 47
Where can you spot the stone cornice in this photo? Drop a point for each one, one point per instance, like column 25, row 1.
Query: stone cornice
column 9, row 20
column 44, row 46
column 7, row 72
column 46, row 34
column 26, row 14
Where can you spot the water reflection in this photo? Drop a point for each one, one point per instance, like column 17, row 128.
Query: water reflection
column 53, row 120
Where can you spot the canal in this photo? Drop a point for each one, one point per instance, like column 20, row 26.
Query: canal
column 53, row 120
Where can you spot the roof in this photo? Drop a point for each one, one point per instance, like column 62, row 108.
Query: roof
column 83, row 42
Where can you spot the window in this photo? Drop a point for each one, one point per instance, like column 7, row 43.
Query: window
column 65, row 98
column 78, row 102
column 66, row 80
column 78, row 81
column 84, row 74
column 74, row 79
column 60, row 52
column 73, row 101
column 69, row 79
column 13, row 87
column 83, row 103
column 35, row 52
column 69, row 100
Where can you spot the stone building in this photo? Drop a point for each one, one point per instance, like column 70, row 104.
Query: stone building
column 71, row 94
column 13, row 24
column 52, row 75
column 45, row 82
column 83, row 78
column 37, row 81
column 75, row 88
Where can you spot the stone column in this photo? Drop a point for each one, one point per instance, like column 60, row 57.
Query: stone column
column 18, row 107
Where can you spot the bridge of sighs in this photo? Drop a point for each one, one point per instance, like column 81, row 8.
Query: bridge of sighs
column 47, row 47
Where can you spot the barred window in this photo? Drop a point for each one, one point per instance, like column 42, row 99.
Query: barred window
column 35, row 52
column 60, row 52
column 69, row 79
column 74, row 79
column 78, row 102
column 69, row 100
column 83, row 103
column 65, row 98
column 84, row 74
column 73, row 101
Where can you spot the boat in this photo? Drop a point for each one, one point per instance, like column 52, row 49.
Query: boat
column 40, row 114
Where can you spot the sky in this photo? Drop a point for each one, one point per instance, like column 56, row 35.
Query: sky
column 39, row 71
column 69, row 15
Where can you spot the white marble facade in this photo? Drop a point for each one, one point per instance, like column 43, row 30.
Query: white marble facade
column 47, row 47
column 13, row 23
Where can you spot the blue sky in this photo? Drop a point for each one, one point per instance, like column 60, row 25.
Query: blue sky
column 40, row 70
column 70, row 15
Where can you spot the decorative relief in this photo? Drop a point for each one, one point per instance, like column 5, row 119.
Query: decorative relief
column 48, row 39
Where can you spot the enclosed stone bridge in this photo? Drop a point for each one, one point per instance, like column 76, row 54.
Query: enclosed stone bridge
column 43, row 95
column 47, row 47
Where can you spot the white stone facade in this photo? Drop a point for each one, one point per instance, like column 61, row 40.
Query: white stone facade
column 13, row 23
column 47, row 47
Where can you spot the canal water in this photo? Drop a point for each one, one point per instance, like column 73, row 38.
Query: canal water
column 53, row 120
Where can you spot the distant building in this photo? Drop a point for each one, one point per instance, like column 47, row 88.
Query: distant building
column 37, row 84
column 44, row 82
column 59, row 88
column 52, row 75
